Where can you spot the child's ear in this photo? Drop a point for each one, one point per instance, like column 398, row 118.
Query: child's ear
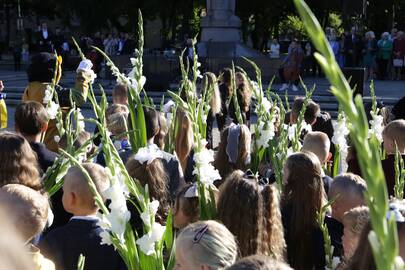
column 329, row 157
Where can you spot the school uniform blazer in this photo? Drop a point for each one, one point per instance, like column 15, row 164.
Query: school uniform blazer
column 80, row 236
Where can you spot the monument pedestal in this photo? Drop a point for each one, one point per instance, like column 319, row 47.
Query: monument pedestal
column 220, row 32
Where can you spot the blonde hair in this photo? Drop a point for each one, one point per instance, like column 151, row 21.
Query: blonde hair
column 210, row 81
column 395, row 130
column 318, row 143
column 12, row 255
column 78, row 183
column 184, row 138
column 259, row 262
column 117, row 124
column 19, row 164
column 356, row 219
column 28, row 207
column 208, row 243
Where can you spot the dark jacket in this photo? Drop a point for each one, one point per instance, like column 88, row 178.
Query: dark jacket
column 335, row 229
column 46, row 157
column 64, row 245
column 388, row 165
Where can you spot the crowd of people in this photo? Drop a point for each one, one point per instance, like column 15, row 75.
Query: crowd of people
column 259, row 225
column 382, row 58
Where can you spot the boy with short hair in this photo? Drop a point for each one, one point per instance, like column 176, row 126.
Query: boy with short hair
column 318, row 143
column 29, row 213
column 347, row 191
column 81, row 234
column 31, row 121
column 393, row 134
column 311, row 112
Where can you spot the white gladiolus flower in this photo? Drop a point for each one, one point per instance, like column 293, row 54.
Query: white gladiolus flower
column 265, row 134
column 340, row 132
column 147, row 242
column 90, row 73
column 206, row 172
column 52, row 109
column 267, row 105
column 291, row 131
column 377, row 126
column 116, row 220
column 142, row 81
column 150, row 212
column 56, row 139
column 105, row 238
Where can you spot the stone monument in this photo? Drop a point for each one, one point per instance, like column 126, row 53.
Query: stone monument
column 220, row 32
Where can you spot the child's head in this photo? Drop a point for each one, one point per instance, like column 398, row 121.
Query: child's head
column 205, row 245
column 259, row 262
column 115, row 108
column 151, row 122
column 19, row 163
column 120, row 94
column 28, row 208
column 155, row 176
column 30, row 118
column 77, row 197
column 209, row 83
column 233, row 150
column 186, row 207
column 303, row 195
column 347, row 191
column 393, row 133
column 319, row 144
column 354, row 221
column 311, row 111
column 260, row 230
column 117, row 124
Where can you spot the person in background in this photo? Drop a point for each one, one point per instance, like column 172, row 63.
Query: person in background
column 334, row 44
column 341, row 60
column 225, row 90
column 308, row 59
column 186, row 208
column 398, row 55
column 244, row 95
column 384, row 55
column 3, row 107
column 274, row 49
column 44, row 37
column 369, row 54
column 259, row 262
column 291, row 66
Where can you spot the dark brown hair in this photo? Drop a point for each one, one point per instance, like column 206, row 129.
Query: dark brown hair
column 259, row 262
column 221, row 159
column 303, row 195
column 189, row 206
column 153, row 175
column 311, row 111
column 160, row 137
column 19, row 164
column 244, row 92
column 260, row 230
column 30, row 118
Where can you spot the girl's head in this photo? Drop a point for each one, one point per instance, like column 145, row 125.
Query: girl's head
column 117, row 124
column 184, row 138
column 303, row 195
column 205, row 245
column 240, row 79
column 209, row 83
column 260, row 230
column 226, row 76
column 233, row 150
column 19, row 163
column 153, row 175
column 244, row 91
column 354, row 222
column 186, row 207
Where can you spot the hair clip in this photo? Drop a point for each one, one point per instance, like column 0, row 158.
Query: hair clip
column 192, row 192
column 148, row 154
column 262, row 181
column 199, row 234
